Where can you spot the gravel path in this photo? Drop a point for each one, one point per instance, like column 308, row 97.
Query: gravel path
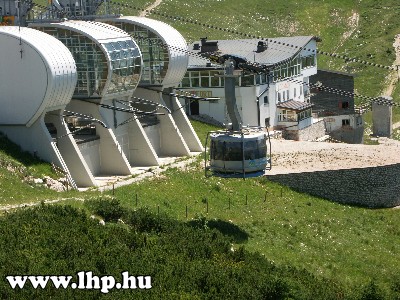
column 297, row 157
column 149, row 8
column 392, row 79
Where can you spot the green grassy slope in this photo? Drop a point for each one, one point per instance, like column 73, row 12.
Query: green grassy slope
column 344, row 243
column 371, row 41
column 17, row 170
column 349, row 245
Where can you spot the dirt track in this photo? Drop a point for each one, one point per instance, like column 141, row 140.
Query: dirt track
column 150, row 8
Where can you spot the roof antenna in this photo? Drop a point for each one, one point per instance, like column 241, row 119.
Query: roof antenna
column 17, row 6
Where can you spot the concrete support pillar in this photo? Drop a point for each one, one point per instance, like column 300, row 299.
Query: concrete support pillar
column 382, row 117
column 170, row 140
column 108, row 157
column 184, row 125
column 70, row 152
column 141, row 152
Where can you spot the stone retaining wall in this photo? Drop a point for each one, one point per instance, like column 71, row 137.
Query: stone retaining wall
column 309, row 133
column 370, row 187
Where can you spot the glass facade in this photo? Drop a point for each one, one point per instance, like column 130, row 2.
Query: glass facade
column 285, row 115
column 91, row 63
column 208, row 78
column 293, row 68
column 195, row 79
column 304, row 114
column 290, row 69
column 126, row 65
column 308, row 61
column 154, row 53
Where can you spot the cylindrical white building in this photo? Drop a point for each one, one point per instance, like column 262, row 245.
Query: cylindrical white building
column 37, row 72
column 37, row 78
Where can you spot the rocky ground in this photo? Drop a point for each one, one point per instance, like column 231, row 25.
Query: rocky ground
column 303, row 156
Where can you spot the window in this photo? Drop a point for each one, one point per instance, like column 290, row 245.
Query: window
column 247, row 80
column 267, row 124
column 266, row 102
column 345, row 104
column 345, row 122
column 308, row 61
column 215, row 81
column 283, row 95
column 287, row 116
column 260, row 79
column 155, row 56
column 185, row 82
column 205, row 78
column 304, row 114
column 294, row 92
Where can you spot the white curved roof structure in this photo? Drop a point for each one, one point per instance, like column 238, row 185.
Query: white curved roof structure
column 37, row 73
column 97, row 31
column 178, row 58
column 108, row 60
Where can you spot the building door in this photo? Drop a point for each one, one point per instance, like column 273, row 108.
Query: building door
column 194, row 107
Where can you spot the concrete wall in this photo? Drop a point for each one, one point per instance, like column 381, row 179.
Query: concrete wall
column 90, row 153
column 382, row 119
column 370, row 187
column 185, row 127
column 112, row 159
column 348, row 134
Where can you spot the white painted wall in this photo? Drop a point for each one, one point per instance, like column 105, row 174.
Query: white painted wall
column 335, row 122
column 91, row 155
column 37, row 72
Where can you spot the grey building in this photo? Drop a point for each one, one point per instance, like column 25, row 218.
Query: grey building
column 342, row 122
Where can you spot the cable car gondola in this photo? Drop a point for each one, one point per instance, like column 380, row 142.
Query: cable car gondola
column 237, row 151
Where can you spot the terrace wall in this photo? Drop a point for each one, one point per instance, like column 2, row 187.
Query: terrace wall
column 370, row 187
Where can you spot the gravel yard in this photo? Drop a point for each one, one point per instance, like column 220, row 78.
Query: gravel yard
column 296, row 157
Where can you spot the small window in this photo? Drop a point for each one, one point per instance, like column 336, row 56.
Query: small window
column 345, row 122
column 267, row 122
column 345, row 104
column 294, row 92
column 266, row 100
column 287, row 95
column 279, row 97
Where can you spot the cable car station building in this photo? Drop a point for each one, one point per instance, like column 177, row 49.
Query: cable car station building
column 278, row 99
column 85, row 113
column 165, row 60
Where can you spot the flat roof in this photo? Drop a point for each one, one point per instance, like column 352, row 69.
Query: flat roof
column 276, row 49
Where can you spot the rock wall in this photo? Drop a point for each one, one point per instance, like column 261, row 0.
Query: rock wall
column 309, row 133
column 350, row 135
column 370, row 187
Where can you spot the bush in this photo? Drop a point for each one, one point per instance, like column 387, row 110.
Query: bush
column 183, row 261
column 109, row 210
